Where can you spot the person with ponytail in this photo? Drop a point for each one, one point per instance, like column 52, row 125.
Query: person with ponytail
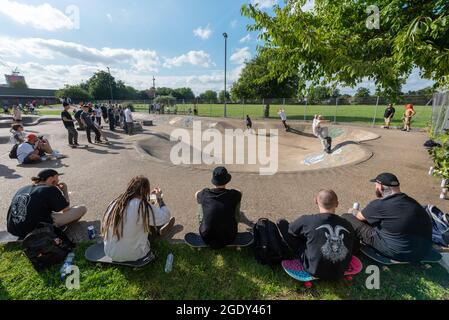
column 131, row 219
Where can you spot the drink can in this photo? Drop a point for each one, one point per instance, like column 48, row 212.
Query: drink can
column 356, row 206
column 91, row 232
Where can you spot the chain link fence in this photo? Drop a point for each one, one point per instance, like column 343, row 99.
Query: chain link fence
column 440, row 113
column 365, row 111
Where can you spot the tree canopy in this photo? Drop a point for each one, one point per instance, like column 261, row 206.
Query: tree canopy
column 256, row 82
column 209, row 96
column 74, row 92
column 339, row 42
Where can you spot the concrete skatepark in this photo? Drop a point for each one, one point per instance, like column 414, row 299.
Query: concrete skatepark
column 98, row 174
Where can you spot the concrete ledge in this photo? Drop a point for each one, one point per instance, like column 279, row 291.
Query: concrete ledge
column 29, row 121
column 147, row 123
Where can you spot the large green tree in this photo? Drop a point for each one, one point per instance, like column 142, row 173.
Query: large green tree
column 209, row 96
column 340, row 42
column 183, row 94
column 100, row 84
column 256, row 82
column 73, row 92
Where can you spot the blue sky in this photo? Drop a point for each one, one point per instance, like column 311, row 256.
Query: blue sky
column 180, row 42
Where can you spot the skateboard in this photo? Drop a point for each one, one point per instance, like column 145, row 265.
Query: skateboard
column 7, row 238
column 295, row 269
column 433, row 257
column 96, row 254
column 194, row 240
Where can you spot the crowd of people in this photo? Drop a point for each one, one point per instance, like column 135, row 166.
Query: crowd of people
column 16, row 110
column 394, row 224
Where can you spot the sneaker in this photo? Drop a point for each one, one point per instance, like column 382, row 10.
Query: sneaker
column 165, row 230
column 44, row 158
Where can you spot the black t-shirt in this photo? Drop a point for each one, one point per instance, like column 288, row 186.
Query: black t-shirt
column 87, row 119
column 67, row 124
column 389, row 112
column 219, row 226
column 403, row 229
column 78, row 114
column 32, row 205
column 327, row 244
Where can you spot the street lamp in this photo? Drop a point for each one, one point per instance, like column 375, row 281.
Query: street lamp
column 110, row 86
column 225, row 35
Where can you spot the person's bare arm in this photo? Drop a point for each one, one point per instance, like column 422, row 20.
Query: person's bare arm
column 358, row 214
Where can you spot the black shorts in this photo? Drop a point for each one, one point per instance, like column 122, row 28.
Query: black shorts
column 28, row 160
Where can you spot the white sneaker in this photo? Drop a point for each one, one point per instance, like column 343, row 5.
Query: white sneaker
column 44, row 158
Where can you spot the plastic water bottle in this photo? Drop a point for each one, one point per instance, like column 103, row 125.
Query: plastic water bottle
column 68, row 262
column 169, row 263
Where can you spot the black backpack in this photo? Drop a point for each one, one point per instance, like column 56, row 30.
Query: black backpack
column 13, row 152
column 269, row 246
column 46, row 246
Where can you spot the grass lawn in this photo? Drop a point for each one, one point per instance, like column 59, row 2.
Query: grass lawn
column 227, row 274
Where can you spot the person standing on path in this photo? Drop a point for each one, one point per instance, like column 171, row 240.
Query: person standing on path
column 408, row 116
column 389, row 115
column 87, row 121
column 129, row 121
column 69, row 124
column 283, row 116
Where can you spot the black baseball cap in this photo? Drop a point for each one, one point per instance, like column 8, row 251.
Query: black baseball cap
column 387, row 179
column 45, row 174
column 221, row 177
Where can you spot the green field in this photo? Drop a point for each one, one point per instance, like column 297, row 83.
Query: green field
column 355, row 114
column 226, row 274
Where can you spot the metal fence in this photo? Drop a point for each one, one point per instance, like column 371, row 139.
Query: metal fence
column 440, row 113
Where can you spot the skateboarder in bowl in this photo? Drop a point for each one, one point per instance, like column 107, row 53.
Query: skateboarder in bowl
column 322, row 133
column 324, row 241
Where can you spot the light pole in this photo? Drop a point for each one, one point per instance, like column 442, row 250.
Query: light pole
column 110, row 86
column 225, row 35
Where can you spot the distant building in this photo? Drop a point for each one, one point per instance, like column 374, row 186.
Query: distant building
column 10, row 94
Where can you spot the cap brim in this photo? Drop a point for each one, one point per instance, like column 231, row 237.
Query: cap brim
column 373, row 180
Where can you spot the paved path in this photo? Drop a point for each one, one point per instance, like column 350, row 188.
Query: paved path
column 97, row 175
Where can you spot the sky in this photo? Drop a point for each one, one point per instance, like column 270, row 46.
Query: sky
column 179, row 42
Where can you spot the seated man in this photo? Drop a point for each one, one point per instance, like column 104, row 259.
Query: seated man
column 324, row 242
column 395, row 225
column 219, row 211
column 34, row 149
column 46, row 200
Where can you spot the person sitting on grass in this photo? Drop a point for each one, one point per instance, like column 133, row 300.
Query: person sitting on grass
column 131, row 219
column 45, row 201
column 323, row 242
column 17, row 134
column 34, row 150
column 395, row 225
column 219, row 211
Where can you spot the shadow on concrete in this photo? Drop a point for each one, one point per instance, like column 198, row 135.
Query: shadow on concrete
column 341, row 145
column 97, row 151
column 49, row 164
column 8, row 173
column 300, row 133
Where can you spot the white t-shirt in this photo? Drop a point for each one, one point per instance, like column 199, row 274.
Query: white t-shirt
column 128, row 115
column 283, row 116
column 134, row 244
column 23, row 151
column 98, row 112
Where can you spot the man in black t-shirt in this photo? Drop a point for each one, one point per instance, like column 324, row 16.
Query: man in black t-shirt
column 395, row 225
column 88, row 123
column 69, row 124
column 219, row 211
column 323, row 242
column 389, row 115
column 46, row 200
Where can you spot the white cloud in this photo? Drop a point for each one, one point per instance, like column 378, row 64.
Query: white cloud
column 109, row 16
column 233, row 24
column 42, row 16
column 145, row 60
column 195, row 58
column 203, row 33
column 309, row 6
column 264, row 4
column 241, row 55
column 246, row 39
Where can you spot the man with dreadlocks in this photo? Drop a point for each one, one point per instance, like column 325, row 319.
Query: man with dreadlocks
column 131, row 218
column 324, row 241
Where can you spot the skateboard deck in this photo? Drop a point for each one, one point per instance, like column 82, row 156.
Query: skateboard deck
column 433, row 257
column 242, row 240
column 6, row 238
column 96, row 254
column 295, row 269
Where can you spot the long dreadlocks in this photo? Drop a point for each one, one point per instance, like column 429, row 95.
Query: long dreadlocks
column 139, row 187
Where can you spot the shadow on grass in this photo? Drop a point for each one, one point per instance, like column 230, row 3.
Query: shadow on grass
column 210, row 275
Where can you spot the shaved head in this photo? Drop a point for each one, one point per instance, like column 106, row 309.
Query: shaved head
column 327, row 199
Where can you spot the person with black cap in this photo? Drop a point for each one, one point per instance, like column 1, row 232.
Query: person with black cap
column 395, row 225
column 45, row 201
column 219, row 211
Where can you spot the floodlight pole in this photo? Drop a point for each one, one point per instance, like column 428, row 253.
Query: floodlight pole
column 225, row 35
column 110, row 86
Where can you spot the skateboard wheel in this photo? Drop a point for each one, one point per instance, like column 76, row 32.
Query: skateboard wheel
column 308, row 285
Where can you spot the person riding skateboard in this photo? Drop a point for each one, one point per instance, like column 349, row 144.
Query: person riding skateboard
column 219, row 211
column 321, row 133
column 323, row 242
